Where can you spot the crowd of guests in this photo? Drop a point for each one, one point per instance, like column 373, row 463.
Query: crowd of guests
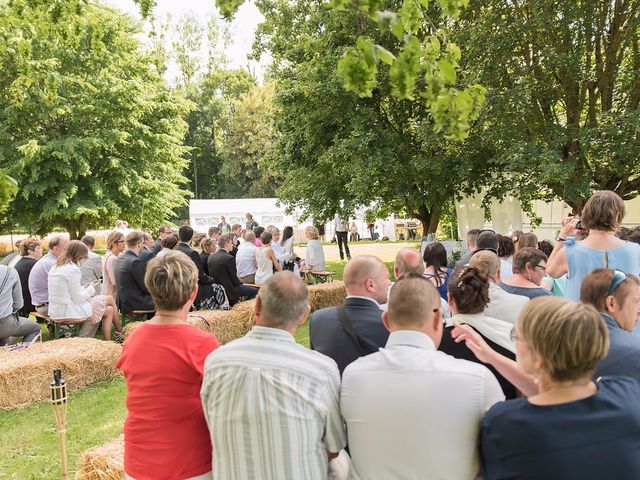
column 73, row 285
column 484, row 381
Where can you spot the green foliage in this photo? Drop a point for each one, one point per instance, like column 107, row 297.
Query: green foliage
column 8, row 188
column 358, row 67
column 88, row 129
column 563, row 101
column 404, row 71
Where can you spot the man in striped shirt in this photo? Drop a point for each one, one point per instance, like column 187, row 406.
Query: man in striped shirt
column 272, row 405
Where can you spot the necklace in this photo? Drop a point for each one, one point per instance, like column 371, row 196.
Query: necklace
column 158, row 319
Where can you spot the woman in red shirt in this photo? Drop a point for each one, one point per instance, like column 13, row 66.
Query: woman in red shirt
column 165, row 434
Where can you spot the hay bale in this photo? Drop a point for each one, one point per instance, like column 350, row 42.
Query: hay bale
column 129, row 328
column 226, row 325
column 325, row 295
column 104, row 462
column 25, row 374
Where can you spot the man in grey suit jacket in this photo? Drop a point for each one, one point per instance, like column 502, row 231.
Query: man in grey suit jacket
column 354, row 329
column 91, row 268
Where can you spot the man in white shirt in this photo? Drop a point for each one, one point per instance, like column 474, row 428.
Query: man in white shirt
column 411, row 411
column 502, row 305
column 272, row 405
column 91, row 268
column 246, row 262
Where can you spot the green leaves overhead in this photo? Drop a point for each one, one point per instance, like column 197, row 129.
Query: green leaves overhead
column 404, row 70
column 358, row 67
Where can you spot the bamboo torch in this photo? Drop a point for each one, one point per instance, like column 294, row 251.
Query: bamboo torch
column 59, row 404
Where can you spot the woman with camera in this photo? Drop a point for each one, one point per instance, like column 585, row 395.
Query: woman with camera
column 601, row 216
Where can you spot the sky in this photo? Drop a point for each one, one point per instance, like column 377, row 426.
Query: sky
column 242, row 28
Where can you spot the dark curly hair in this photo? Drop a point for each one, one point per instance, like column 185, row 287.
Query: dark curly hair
column 469, row 289
column 505, row 246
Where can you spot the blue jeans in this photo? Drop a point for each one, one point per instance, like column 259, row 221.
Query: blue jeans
column 245, row 291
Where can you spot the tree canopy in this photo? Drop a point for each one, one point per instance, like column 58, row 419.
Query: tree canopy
column 89, row 130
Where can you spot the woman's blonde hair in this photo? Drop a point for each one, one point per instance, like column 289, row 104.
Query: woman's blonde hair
column 170, row 280
column 74, row 252
column 571, row 337
column 207, row 243
column 113, row 238
column 603, row 211
column 313, row 231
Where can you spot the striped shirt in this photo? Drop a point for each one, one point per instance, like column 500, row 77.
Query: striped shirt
column 272, row 407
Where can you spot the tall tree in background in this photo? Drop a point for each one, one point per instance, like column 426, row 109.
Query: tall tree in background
column 88, row 128
column 249, row 142
column 563, row 108
column 338, row 152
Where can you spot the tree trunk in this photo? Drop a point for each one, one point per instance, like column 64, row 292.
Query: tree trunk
column 428, row 218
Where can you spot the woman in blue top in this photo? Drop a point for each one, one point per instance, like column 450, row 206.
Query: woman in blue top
column 573, row 428
column 601, row 216
column 435, row 259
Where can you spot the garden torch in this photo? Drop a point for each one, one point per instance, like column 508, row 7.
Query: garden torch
column 59, row 404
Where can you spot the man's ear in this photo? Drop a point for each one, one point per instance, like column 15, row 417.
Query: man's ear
column 385, row 320
column 257, row 308
column 437, row 320
column 304, row 317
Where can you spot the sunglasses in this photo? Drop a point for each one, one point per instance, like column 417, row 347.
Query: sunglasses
column 618, row 279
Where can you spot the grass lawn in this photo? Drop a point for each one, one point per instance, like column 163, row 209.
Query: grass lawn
column 29, row 445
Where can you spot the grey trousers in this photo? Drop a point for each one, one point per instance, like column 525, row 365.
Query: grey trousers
column 15, row 326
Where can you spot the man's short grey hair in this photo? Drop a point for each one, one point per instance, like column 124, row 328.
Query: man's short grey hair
column 224, row 239
column 284, row 298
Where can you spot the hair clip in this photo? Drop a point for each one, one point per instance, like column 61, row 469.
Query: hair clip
column 460, row 284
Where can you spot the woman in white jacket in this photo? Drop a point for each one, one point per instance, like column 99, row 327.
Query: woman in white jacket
column 68, row 299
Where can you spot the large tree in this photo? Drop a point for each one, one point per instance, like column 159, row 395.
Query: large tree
column 563, row 103
column 87, row 127
column 336, row 151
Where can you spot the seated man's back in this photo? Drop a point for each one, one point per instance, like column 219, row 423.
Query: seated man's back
column 132, row 294
column 271, row 404
column 367, row 283
column 411, row 411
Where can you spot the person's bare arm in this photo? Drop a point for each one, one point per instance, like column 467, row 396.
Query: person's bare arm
column 557, row 264
column 274, row 260
column 505, row 366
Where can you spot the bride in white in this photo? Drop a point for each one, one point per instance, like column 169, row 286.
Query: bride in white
column 266, row 259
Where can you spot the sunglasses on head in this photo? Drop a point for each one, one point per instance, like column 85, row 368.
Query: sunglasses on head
column 618, row 279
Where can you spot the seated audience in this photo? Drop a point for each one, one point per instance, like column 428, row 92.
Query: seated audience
column 115, row 246
column 487, row 240
column 529, row 268
column 314, row 256
column 13, row 256
column 214, row 233
column 266, row 259
column 572, row 428
column 163, row 233
column 601, row 216
column 30, row 253
column 129, row 275
column 246, row 262
column 616, row 296
column 468, row 297
column 272, row 405
column 505, row 252
column 556, row 286
column 436, row 270
column 290, row 261
column 222, row 267
column 472, row 235
column 11, row 324
column 205, row 290
column 208, row 247
column 282, row 256
column 168, row 243
column 147, row 247
column 411, row 411
column 165, row 432
column 236, row 229
column 502, row 305
column 525, row 240
column 91, row 268
column 70, row 300
column 196, row 241
column 258, row 231
column 39, row 276
column 354, row 329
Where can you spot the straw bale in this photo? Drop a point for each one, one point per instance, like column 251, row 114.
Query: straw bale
column 104, row 462
column 226, row 325
column 25, row 374
column 325, row 295
column 130, row 327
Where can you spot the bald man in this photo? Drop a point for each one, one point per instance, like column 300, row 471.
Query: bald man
column 354, row 329
column 409, row 260
column 412, row 411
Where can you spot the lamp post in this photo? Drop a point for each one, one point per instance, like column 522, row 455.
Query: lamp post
column 59, row 404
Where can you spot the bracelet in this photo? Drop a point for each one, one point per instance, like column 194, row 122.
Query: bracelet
column 560, row 239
